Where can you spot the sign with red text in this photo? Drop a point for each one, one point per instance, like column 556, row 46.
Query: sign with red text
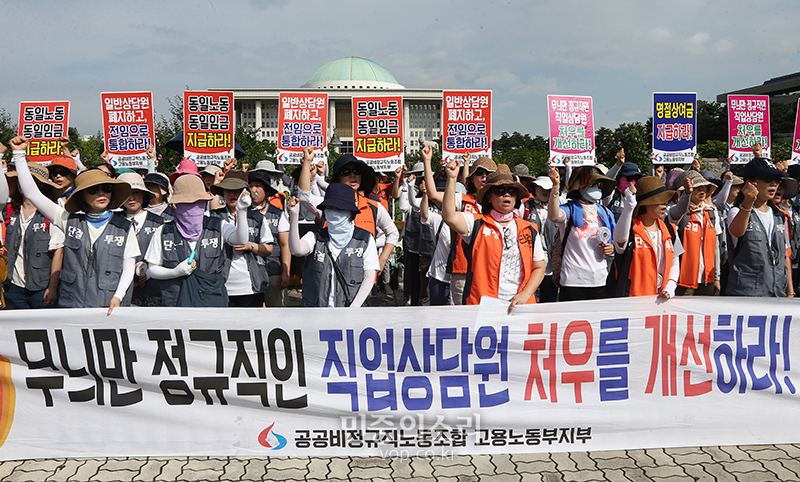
column 378, row 131
column 571, row 126
column 615, row 374
column 208, row 127
column 466, row 124
column 748, row 124
column 43, row 123
column 302, row 122
column 674, row 127
column 796, row 139
column 128, row 127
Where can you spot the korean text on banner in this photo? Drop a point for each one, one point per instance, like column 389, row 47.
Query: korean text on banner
column 302, row 122
column 128, row 127
column 796, row 139
column 748, row 123
column 43, row 123
column 674, row 128
column 554, row 377
column 378, row 131
column 571, row 126
column 208, row 127
column 466, row 124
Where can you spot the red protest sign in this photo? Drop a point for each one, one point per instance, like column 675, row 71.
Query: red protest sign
column 378, row 131
column 43, row 123
column 466, row 124
column 302, row 122
column 128, row 127
column 208, row 127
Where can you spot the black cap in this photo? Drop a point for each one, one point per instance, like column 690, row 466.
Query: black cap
column 629, row 169
column 761, row 168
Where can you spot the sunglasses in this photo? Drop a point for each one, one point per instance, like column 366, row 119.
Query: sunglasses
column 481, row 172
column 503, row 190
column 106, row 188
column 349, row 170
column 61, row 172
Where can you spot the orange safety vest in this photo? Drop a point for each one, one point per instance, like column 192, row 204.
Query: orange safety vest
column 278, row 200
column 690, row 259
column 485, row 251
column 365, row 219
column 381, row 194
column 460, row 261
column 643, row 273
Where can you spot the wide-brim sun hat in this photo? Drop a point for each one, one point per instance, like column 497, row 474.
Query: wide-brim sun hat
column 160, row 180
column 418, row 168
column 211, row 170
column 233, row 181
column 650, row 190
column 484, row 163
column 606, row 184
column 262, row 176
column 522, row 172
column 697, row 181
column 40, row 175
column 189, row 190
column 367, row 172
column 137, row 184
column 339, row 196
column 95, row 177
column 186, row 166
column 501, row 178
column 267, row 166
column 790, row 187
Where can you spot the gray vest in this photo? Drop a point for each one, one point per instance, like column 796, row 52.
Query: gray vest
column 256, row 265
column 35, row 253
column 152, row 286
column 209, row 257
column 318, row 268
column 90, row 273
column 547, row 229
column 722, row 209
column 272, row 217
column 411, row 232
column 756, row 265
column 617, row 204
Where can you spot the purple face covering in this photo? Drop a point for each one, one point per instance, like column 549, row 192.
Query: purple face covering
column 623, row 184
column 189, row 219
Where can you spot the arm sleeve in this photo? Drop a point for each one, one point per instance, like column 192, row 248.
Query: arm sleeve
column 623, row 228
column 384, row 223
column 78, row 162
column 309, row 200
column 674, row 272
column 613, row 170
column 365, row 289
column 236, row 234
column 403, row 203
column 125, row 279
column 679, row 209
column 151, row 165
column 724, row 191
column 29, row 188
column 413, row 199
column 322, row 184
column 300, row 247
column 3, row 192
column 567, row 175
column 159, row 272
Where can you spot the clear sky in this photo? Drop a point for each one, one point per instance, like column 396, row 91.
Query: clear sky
column 618, row 52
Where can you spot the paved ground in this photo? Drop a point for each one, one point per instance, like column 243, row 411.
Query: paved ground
column 744, row 463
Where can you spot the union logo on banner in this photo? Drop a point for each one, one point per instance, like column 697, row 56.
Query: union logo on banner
column 271, row 439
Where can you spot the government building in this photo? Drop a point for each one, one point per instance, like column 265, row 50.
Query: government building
column 342, row 79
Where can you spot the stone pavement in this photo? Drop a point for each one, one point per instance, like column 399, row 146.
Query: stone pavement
column 753, row 463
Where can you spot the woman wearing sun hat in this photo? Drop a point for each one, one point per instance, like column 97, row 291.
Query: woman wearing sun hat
column 697, row 227
column 193, row 241
column 341, row 258
column 31, row 282
column 246, row 277
column 145, row 292
column 648, row 250
column 506, row 261
column 585, row 227
column 92, row 231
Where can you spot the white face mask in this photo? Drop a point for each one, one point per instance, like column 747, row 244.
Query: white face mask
column 592, row 193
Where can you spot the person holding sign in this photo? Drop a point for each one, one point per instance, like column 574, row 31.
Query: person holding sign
column 506, row 260
column 759, row 253
column 648, row 250
column 585, row 228
column 341, row 260
column 92, row 231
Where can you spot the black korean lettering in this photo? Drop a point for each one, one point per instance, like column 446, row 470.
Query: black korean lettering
column 176, row 392
column 284, row 373
column 241, row 360
column 24, row 337
column 207, row 384
column 163, row 358
column 216, row 337
column 254, row 389
column 45, row 384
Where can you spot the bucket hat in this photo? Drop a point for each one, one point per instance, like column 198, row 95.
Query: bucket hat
column 650, row 190
column 697, row 181
column 186, row 166
column 339, row 196
column 262, row 176
column 484, row 163
column 40, row 175
column 501, row 178
column 189, row 190
column 159, row 180
column 233, row 181
column 367, row 173
column 137, row 184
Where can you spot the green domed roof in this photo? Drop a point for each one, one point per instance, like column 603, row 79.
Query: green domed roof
column 350, row 69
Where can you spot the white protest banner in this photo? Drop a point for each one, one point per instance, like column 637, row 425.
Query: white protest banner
column 600, row 375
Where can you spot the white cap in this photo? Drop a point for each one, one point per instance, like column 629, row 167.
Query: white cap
column 544, row 182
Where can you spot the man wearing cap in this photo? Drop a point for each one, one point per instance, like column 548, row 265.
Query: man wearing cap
column 759, row 250
column 144, row 292
column 341, row 258
column 30, row 283
column 536, row 211
column 246, row 277
column 269, row 202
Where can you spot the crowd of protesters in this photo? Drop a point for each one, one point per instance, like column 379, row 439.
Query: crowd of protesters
column 218, row 237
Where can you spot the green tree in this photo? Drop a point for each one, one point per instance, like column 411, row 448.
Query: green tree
column 7, row 131
column 712, row 121
column 782, row 117
column 166, row 129
column 255, row 150
column 633, row 137
column 516, row 148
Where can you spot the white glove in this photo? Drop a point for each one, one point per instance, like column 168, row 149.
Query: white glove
column 294, row 211
column 184, row 268
column 244, row 201
column 630, row 198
